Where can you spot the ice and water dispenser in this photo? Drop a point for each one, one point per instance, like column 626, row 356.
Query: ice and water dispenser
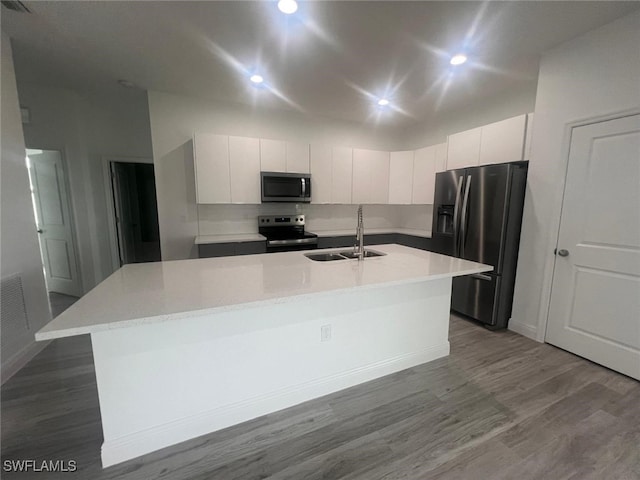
column 444, row 224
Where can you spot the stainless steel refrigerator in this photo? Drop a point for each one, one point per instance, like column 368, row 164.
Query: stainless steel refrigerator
column 477, row 214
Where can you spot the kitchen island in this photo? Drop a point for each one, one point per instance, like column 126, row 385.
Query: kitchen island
column 184, row 348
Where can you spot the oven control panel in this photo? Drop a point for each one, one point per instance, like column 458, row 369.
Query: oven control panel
column 280, row 220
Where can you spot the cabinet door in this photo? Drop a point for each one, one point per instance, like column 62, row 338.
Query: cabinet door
column 297, row 160
column 441, row 157
column 464, row 149
column 424, row 175
column 342, row 174
column 503, row 141
column 244, row 163
column 321, row 173
column 400, row 177
column 211, row 162
column 361, row 183
column 370, row 176
column 527, row 137
column 273, row 155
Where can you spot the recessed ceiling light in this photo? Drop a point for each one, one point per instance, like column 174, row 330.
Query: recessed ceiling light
column 255, row 78
column 383, row 102
column 458, row 59
column 288, row 6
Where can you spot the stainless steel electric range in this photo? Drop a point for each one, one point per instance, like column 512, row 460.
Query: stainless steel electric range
column 285, row 233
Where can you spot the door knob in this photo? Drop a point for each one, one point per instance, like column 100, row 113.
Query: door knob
column 563, row 253
column 39, row 230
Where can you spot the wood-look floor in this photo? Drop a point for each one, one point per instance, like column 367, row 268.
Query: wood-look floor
column 499, row 407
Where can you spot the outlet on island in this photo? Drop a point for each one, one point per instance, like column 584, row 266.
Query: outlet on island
column 325, row 333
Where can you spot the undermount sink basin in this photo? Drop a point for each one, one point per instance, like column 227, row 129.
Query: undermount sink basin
column 347, row 254
column 367, row 254
column 324, row 257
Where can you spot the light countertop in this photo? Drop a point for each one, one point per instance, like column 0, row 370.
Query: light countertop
column 371, row 231
column 256, row 237
column 231, row 238
column 145, row 293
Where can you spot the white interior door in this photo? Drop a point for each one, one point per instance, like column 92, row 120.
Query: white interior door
column 53, row 218
column 595, row 301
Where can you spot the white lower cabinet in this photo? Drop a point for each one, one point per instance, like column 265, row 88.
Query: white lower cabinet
column 211, row 164
column 244, row 168
column 401, row 177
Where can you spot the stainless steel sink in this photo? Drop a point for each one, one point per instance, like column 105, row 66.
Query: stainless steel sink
column 324, row 257
column 367, row 254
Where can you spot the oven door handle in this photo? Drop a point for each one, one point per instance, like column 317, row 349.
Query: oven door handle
column 304, row 187
column 297, row 241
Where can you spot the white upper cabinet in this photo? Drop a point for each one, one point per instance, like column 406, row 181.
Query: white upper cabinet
column 321, row 173
column 527, row 137
column 464, row 149
column 244, row 169
column 331, row 174
column 400, row 177
column 503, row 141
column 499, row 142
column 211, row 162
column 281, row 156
column 424, row 175
column 297, row 157
column 441, row 157
column 341, row 175
column 370, row 176
column 273, row 155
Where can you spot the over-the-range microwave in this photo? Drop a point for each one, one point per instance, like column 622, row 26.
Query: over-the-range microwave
column 285, row 187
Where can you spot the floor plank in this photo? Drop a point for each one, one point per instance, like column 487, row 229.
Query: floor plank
column 500, row 406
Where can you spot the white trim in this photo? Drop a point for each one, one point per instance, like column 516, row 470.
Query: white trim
column 140, row 443
column 20, row 359
column 555, row 217
column 108, row 191
column 529, row 331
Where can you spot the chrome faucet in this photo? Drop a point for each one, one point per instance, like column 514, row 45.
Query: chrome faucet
column 358, row 248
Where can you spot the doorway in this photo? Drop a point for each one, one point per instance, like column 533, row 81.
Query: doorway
column 54, row 223
column 595, row 299
column 134, row 212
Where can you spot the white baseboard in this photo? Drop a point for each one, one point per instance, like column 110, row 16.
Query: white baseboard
column 20, row 359
column 523, row 329
column 161, row 436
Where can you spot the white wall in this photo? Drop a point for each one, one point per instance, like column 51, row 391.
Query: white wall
column 20, row 253
column 85, row 128
column 591, row 77
column 174, row 119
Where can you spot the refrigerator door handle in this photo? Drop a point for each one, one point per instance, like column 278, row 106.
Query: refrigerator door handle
column 456, row 212
column 481, row 276
column 463, row 220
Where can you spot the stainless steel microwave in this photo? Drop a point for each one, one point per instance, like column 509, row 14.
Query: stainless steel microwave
column 285, row 187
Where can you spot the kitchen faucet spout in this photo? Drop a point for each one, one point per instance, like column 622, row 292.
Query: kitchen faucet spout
column 358, row 248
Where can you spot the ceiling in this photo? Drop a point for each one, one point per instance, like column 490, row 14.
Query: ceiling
column 331, row 58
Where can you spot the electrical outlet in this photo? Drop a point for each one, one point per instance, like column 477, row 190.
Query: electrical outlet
column 325, row 333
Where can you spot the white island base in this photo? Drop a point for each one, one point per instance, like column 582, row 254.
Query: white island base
column 164, row 380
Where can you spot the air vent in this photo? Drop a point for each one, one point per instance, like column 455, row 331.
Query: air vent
column 16, row 6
